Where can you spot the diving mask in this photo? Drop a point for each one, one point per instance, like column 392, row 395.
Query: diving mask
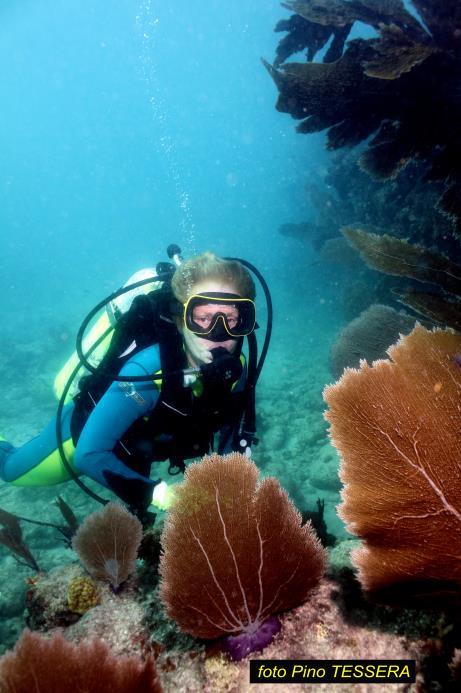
column 219, row 316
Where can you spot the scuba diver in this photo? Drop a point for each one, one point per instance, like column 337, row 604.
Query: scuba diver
column 173, row 384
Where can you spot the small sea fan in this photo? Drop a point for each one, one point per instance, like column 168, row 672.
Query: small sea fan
column 107, row 544
column 235, row 554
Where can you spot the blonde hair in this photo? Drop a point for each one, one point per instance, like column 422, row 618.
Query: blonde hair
column 209, row 266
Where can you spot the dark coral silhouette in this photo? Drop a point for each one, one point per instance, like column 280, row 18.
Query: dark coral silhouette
column 235, row 554
column 310, row 36
column 317, row 519
column 400, row 89
column 107, row 543
column 344, row 195
column 55, row 665
column 397, row 427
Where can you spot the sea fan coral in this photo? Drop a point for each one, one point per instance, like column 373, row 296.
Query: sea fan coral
column 235, row 554
column 397, row 426
column 400, row 258
column 55, row 665
column 11, row 537
column 107, row 544
column 378, row 89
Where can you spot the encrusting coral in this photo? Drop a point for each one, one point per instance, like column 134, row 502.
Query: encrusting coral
column 235, row 554
column 107, row 543
column 55, row 665
column 397, row 427
column 82, row 594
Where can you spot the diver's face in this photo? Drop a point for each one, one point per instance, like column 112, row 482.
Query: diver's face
column 198, row 347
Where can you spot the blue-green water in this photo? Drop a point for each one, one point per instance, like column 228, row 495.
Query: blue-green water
column 125, row 127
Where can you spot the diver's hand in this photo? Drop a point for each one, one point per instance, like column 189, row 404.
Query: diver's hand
column 197, row 347
column 163, row 496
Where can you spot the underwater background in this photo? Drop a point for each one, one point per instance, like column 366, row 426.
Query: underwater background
column 130, row 126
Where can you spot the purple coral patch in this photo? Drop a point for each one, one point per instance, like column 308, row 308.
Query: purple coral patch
column 241, row 645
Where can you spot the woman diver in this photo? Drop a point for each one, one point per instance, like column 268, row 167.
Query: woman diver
column 173, row 376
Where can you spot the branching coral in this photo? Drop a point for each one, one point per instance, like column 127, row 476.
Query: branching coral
column 400, row 88
column 107, row 544
column 397, row 427
column 235, row 554
column 55, row 665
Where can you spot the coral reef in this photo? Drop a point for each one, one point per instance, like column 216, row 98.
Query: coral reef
column 235, row 553
column 343, row 195
column 380, row 88
column 47, row 598
column 397, row 428
column 407, row 205
column 82, row 594
column 315, row 630
column 107, row 544
column 54, row 665
column 336, row 616
column 368, row 337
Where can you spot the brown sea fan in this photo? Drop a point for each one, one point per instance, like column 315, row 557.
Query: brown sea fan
column 397, row 427
column 234, row 552
column 107, row 543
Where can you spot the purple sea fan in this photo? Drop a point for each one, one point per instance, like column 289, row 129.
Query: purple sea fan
column 235, row 554
column 107, row 544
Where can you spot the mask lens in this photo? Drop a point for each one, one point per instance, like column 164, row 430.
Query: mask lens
column 205, row 313
column 206, row 316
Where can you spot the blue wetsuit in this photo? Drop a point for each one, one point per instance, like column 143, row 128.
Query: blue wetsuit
column 121, row 405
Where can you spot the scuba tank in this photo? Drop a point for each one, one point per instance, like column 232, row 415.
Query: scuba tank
column 104, row 325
